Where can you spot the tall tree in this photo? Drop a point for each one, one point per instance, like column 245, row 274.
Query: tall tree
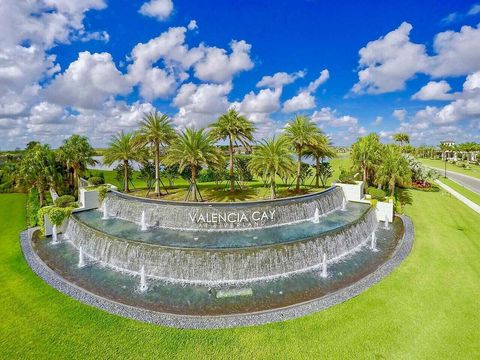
column 366, row 154
column 401, row 138
column 38, row 169
column 320, row 149
column 394, row 168
column 123, row 148
column 194, row 149
column 301, row 133
column 235, row 128
column 76, row 152
column 156, row 130
column 271, row 158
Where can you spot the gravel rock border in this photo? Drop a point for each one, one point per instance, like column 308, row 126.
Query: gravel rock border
column 215, row 322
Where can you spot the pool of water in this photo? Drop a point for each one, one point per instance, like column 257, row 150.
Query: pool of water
column 224, row 239
column 183, row 298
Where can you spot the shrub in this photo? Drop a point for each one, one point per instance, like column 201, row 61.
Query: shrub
column 346, row 176
column 96, row 180
column 65, row 201
column 102, row 192
column 33, row 206
column 374, row 203
column 377, row 194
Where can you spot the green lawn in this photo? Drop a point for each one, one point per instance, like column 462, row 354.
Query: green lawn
column 427, row 308
column 474, row 171
column 473, row 196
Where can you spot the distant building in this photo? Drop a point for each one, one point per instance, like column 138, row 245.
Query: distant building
column 449, row 143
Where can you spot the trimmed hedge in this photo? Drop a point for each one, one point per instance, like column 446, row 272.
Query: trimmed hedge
column 96, row 180
column 65, row 201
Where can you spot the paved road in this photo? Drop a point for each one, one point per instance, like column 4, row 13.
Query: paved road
column 468, row 182
column 459, row 196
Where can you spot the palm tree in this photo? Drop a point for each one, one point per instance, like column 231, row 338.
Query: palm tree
column 76, row 152
column 366, row 154
column 393, row 169
column 38, row 169
column 156, row 130
column 401, row 138
column 235, row 128
column 123, row 148
column 271, row 158
column 320, row 149
column 194, row 149
column 301, row 133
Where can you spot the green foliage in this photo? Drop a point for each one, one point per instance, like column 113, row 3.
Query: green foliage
column 242, row 169
column 56, row 215
column 366, row 155
column 147, row 173
column 40, row 218
column 96, row 180
column 377, row 194
column 102, row 192
column 325, row 171
column 374, row 203
column 346, row 176
column 33, row 206
column 393, row 169
column 65, row 201
column 209, row 175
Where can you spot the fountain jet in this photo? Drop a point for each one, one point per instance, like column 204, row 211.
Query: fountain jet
column 143, row 224
column 105, row 213
column 143, row 280
column 324, row 266
column 344, row 204
column 386, row 222
column 373, row 244
column 316, row 216
column 81, row 259
column 54, row 234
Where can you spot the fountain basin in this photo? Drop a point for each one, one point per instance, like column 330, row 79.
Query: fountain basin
column 222, row 216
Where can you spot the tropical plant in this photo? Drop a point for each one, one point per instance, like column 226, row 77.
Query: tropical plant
column 76, row 153
column 65, row 201
column 272, row 158
column 366, row 154
column 123, row 148
column 393, row 168
column 156, row 131
column 301, row 132
column 38, row 169
column 320, row 149
column 236, row 129
column 194, row 148
column 401, row 138
column 324, row 172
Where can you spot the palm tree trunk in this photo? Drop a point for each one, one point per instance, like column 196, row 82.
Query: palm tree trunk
column 299, row 171
column 125, row 174
column 157, row 166
column 41, row 196
column 75, row 179
column 232, row 176
column 272, row 188
column 392, row 186
column 317, row 175
column 194, row 183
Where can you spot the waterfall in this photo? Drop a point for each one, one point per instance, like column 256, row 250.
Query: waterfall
column 143, row 280
column 143, row 225
column 54, row 234
column 386, row 222
column 81, row 260
column 344, row 204
column 316, row 216
column 217, row 265
column 324, row 266
column 373, row 243
column 179, row 215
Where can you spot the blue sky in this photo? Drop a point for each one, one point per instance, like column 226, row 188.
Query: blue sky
column 94, row 66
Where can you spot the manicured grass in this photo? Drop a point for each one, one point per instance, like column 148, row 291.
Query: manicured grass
column 427, row 308
column 474, row 171
column 473, row 196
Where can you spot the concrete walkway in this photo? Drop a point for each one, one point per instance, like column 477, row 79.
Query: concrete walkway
column 459, row 196
column 468, row 182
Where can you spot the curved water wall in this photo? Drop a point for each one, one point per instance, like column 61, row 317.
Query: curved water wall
column 220, row 265
column 222, row 216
